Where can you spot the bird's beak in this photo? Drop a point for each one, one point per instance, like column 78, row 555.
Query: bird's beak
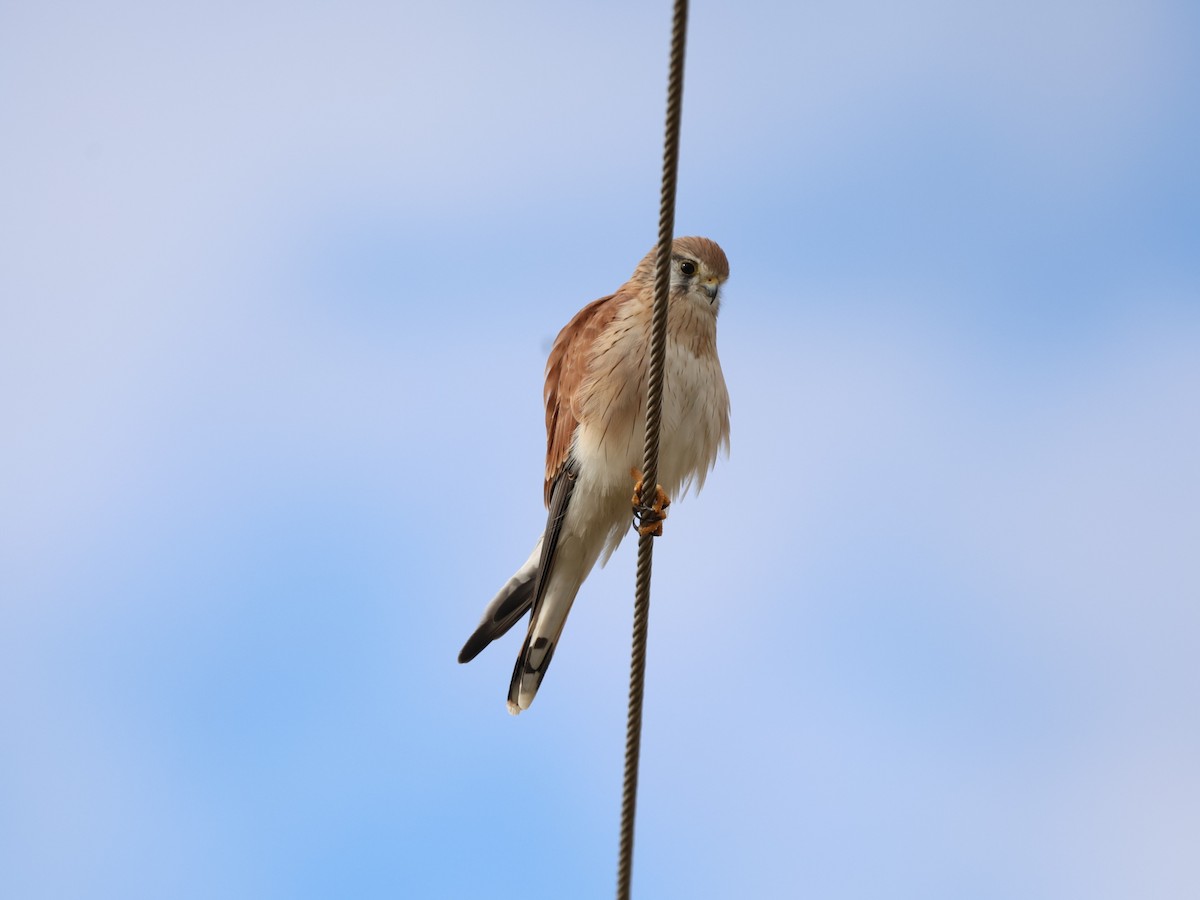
column 711, row 290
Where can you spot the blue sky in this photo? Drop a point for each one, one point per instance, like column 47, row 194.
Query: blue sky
column 277, row 283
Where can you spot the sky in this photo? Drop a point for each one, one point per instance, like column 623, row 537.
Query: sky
column 277, row 284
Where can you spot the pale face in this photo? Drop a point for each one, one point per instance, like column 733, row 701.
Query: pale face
column 696, row 279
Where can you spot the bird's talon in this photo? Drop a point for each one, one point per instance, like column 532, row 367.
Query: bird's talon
column 648, row 519
column 654, row 528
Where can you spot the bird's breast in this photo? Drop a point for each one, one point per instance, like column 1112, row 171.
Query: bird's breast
column 694, row 425
column 695, row 417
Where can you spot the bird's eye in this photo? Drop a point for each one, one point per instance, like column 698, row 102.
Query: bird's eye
column 687, row 267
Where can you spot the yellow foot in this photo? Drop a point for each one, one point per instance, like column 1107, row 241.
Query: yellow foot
column 648, row 519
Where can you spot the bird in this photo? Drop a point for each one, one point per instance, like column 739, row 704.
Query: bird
column 595, row 398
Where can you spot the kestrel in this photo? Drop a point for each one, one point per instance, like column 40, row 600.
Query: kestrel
column 595, row 399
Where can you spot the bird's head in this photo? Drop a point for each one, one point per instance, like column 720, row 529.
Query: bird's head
column 698, row 269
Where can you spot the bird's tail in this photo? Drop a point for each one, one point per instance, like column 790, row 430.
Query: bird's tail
column 559, row 574
column 545, row 627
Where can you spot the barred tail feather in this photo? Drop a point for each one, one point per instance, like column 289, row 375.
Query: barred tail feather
column 559, row 575
column 545, row 627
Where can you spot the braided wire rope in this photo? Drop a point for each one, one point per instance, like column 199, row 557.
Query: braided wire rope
column 658, row 341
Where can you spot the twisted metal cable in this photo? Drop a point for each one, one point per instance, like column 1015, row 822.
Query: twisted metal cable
column 658, row 341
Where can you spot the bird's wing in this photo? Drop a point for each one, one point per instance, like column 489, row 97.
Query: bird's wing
column 566, row 369
column 557, row 579
column 506, row 608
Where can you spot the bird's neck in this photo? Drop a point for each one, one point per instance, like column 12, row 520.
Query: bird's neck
column 693, row 324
